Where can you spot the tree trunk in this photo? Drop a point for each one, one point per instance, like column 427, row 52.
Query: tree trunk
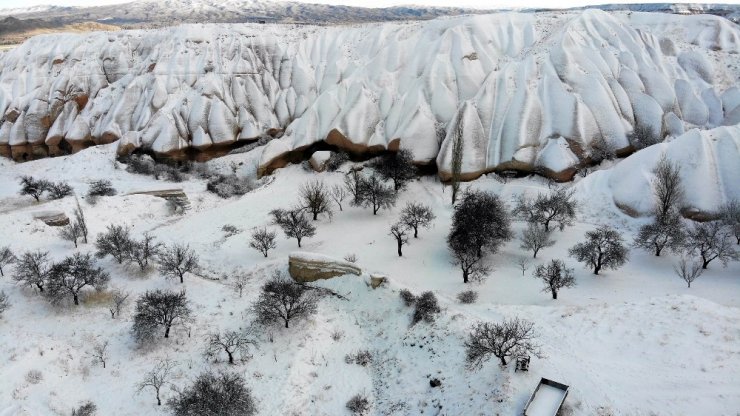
column 315, row 215
column 597, row 268
column 554, row 293
column 159, row 402
column 265, row 253
column 535, row 253
column 547, row 225
column 400, row 244
column 658, row 249
column 75, row 241
column 465, row 276
column 299, row 242
column 416, row 232
column 41, row 288
column 77, row 302
column 286, row 323
column 705, row 263
column 1, row 272
column 181, row 277
column 167, row 331
column 503, row 360
column 231, row 357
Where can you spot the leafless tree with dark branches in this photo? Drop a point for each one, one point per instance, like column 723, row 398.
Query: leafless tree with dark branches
column 6, row 257
column 157, row 378
column 263, row 240
column 688, row 271
column 315, row 198
column 510, row 338
column 233, row 343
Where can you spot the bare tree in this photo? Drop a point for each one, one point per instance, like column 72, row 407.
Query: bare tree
column 33, row 187
column 99, row 352
column 240, row 282
column 603, row 249
column 233, row 343
column 33, row 269
column 555, row 276
column 397, row 167
column 426, row 309
column 4, row 303
column 116, row 241
column 523, row 264
column 59, row 190
column 263, row 240
column 416, row 215
column 666, row 231
column 159, row 309
column 510, row 338
column 176, row 260
column 294, row 223
column 315, row 198
column 480, row 221
column 559, row 207
column 73, row 274
column 214, row 394
column 6, row 257
column 710, row 240
column 117, row 301
column 377, row 195
column 101, row 187
column 667, row 188
column 158, row 377
column 87, row 408
column 457, row 157
column 71, row 232
column 81, row 221
column 661, row 234
column 338, row 194
column 535, row 238
column 600, row 150
column 466, row 257
column 688, row 271
column 399, row 231
column 354, row 184
column 141, row 251
column 283, row 300
column 642, row 136
column 730, row 216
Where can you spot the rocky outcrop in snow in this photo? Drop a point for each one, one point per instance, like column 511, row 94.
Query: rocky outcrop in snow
column 710, row 173
column 531, row 92
column 309, row 267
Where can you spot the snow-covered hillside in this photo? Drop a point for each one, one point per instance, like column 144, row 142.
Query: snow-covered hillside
column 628, row 342
column 528, row 91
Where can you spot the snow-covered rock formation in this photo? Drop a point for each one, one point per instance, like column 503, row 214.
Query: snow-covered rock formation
column 522, row 91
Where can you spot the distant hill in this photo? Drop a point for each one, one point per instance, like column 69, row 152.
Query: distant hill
column 23, row 23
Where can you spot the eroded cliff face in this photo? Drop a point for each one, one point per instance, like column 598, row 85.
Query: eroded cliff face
column 522, row 91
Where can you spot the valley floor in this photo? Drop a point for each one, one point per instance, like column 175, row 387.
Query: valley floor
column 635, row 341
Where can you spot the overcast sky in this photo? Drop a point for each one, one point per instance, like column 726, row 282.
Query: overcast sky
column 481, row 4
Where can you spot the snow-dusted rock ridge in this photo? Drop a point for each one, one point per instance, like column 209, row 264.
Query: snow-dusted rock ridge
column 526, row 91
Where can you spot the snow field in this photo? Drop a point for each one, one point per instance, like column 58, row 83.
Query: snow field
column 631, row 341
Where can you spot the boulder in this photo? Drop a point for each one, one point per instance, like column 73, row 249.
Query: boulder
column 309, row 267
column 376, row 280
column 52, row 218
column 318, row 160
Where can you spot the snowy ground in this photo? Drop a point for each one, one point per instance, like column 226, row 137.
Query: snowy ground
column 634, row 341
